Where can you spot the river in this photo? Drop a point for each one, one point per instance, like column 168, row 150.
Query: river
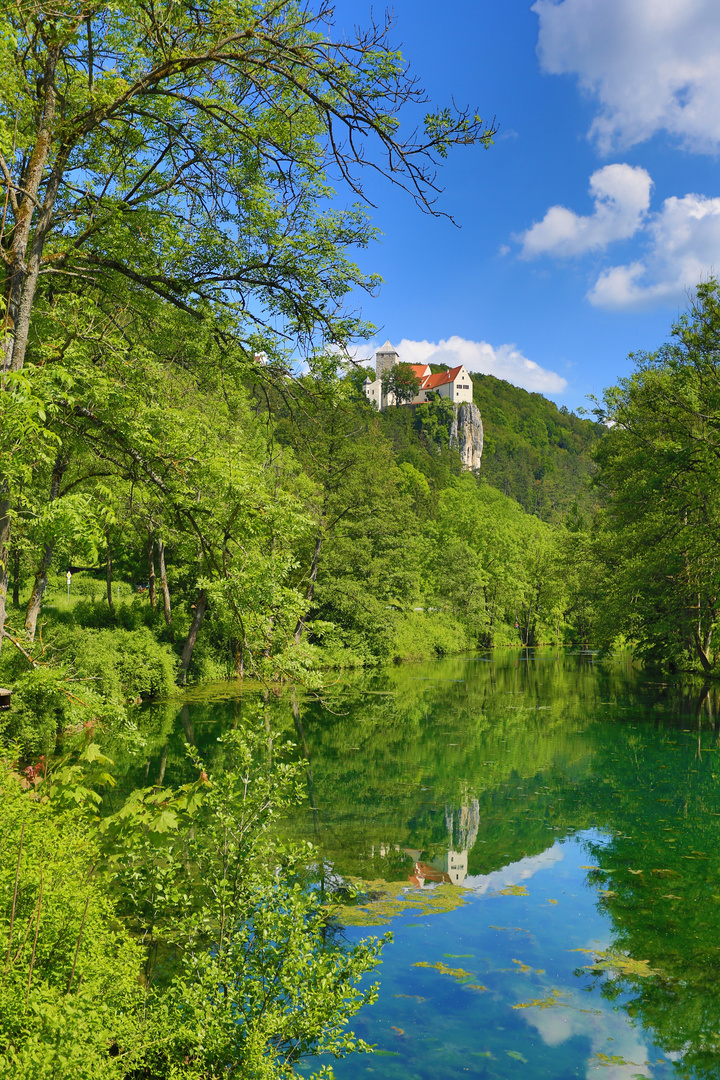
column 541, row 833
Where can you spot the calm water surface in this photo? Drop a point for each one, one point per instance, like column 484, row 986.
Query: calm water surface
column 568, row 815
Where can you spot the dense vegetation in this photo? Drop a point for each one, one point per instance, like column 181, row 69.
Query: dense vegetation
column 295, row 531
column 168, row 236
column 536, row 452
column 654, row 552
column 180, row 434
column 175, row 940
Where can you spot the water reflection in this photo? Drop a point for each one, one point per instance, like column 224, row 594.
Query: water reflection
column 578, row 803
column 450, row 866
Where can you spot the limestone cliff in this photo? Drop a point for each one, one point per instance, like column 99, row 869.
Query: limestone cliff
column 466, row 432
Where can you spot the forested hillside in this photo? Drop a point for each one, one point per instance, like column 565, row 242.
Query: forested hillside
column 539, row 454
column 270, row 529
column 535, row 452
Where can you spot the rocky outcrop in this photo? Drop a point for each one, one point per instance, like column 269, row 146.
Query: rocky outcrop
column 466, row 432
column 463, row 825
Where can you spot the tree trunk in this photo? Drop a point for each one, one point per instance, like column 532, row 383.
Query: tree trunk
column 239, row 659
column 198, row 616
column 4, row 558
column 163, row 584
column 151, row 569
column 38, row 591
column 187, row 724
column 108, row 567
column 314, row 565
column 702, row 653
column 41, row 574
column 163, row 766
column 306, row 754
column 22, row 280
column 24, row 265
column 16, row 576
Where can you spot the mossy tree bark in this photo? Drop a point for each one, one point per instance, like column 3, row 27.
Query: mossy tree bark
column 41, row 574
column 198, row 616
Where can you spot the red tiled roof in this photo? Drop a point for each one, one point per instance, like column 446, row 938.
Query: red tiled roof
column 418, row 370
column 441, row 378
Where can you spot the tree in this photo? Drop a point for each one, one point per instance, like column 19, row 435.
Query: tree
column 177, row 152
column 361, row 556
column 660, row 470
column 507, row 573
column 241, row 973
column 402, row 382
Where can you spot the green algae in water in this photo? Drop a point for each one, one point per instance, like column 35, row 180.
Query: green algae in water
column 457, row 973
column 617, row 962
column 526, row 968
column 392, row 899
column 551, row 1002
column 512, row 890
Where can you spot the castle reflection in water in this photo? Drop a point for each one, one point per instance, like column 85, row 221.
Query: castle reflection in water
column 452, row 865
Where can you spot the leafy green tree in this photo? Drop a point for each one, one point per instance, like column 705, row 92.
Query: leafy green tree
column 505, row 574
column 362, row 562
column 660, row 469
column 177, row 153
column 433, row 419
column 402, row 383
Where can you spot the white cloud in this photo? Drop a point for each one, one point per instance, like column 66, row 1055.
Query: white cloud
column 609, row 1032
column 681, row 242
column 503, row 361
column 684, row 247
column 515, row 873
column 622, row 196
column 652, row 65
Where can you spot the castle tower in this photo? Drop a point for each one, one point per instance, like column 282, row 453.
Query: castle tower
column 385, row 358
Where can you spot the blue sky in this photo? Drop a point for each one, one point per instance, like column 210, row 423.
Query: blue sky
column 582, row 228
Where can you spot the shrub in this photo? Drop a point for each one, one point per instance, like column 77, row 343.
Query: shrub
column 424, row 636
column 70, row 990
column 123, row 664
column 45, row 703
column 92, row 677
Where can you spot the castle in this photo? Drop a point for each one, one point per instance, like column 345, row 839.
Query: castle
column 455, row 384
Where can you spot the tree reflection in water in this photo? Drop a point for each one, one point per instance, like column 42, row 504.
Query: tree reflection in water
column 468, row 772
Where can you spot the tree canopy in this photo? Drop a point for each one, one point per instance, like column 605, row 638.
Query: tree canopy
column 401, row 382
column 169, row 213
column 660, row 580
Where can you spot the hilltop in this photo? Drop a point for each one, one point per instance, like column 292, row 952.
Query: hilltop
column 537, row 453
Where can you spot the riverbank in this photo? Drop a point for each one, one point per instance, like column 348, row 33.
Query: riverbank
column 94, row 666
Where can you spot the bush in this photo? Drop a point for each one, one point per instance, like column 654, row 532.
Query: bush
column 424, row 636
column 123, row 664
column 71, row 990
column 92, row 677
column 45, row 703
